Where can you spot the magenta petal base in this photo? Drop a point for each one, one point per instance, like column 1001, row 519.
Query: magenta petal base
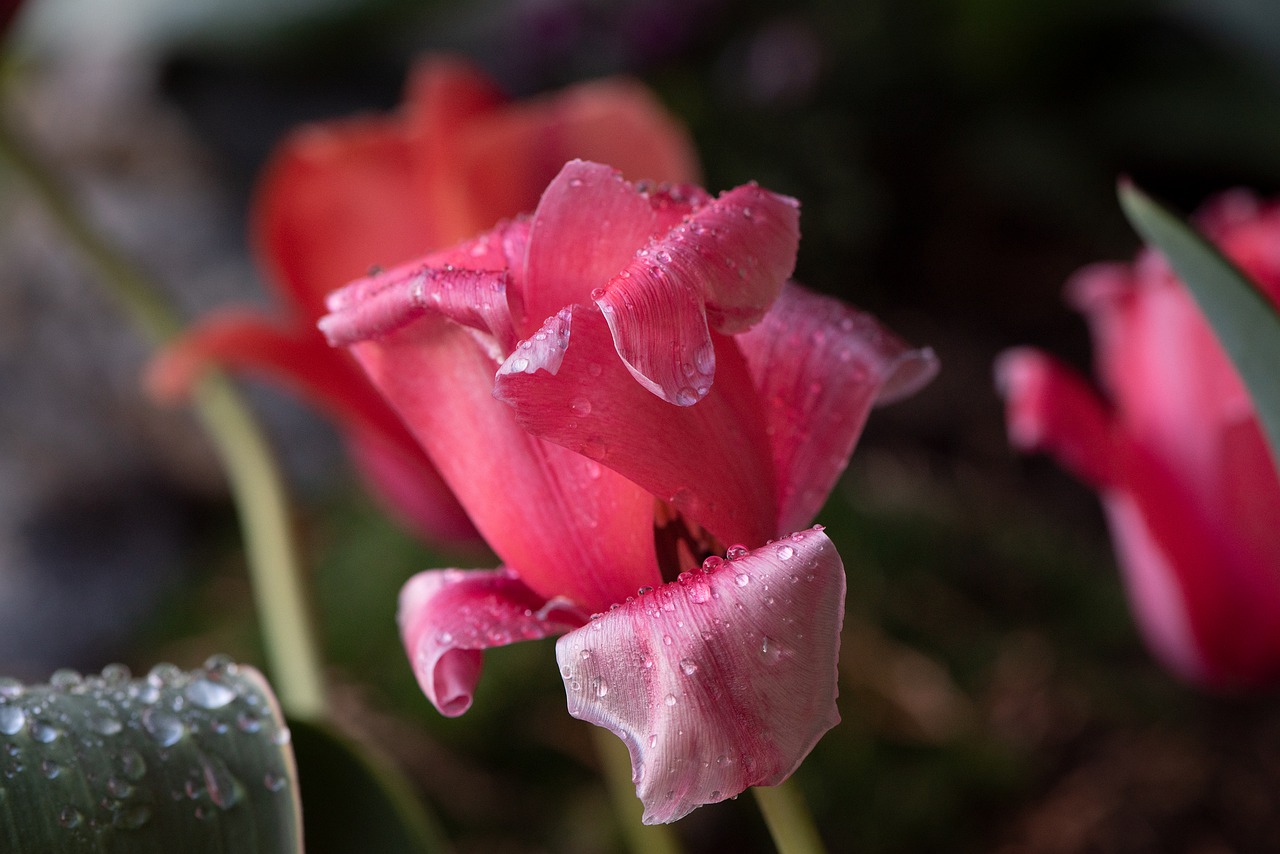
column 722, row 680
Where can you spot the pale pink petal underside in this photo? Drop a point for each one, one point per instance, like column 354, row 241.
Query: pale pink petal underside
column 819, row 366
column 719, row 681
column 721, row 268
column 447, row 616
column 711, row 461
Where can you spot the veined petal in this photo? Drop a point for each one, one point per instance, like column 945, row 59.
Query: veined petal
column 1049, row 407
column 711, row 461
column 722, row 267
column 719, row 681
column 567, row 525
column 819, row 366
column 447, row 616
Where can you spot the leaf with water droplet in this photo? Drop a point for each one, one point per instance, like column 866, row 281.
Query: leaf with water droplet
column 93, row 762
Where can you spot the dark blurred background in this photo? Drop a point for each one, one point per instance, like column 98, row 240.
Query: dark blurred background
column 956, row 162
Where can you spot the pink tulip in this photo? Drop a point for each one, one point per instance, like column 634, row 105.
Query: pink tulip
column 341, row 197
column 615, row 388
column 1175, row 450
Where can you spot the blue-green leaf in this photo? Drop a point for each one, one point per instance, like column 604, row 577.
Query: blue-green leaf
column 1246, row 324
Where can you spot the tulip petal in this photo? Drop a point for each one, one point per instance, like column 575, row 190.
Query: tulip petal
column 447, row 616
column 387, row 454
column 335, row 200
column 710, row 461
column 722, row 680
column 587, row 227
column 566, row 524
column 721, row 268
column 819, row 366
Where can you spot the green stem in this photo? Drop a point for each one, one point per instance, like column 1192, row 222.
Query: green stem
column 788, row 818
column 641, row 838
column 255, row 481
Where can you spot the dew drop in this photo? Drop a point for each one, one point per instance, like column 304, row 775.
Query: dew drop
column 519, row 364
column 12, row 719
column 666, row 639
column 274, row 782
column 70, row 817
column 575, row 182
column 50, row 769
column 163, row 674
column 742, row 579
column 10, row 688
column 785, row 552
column 712, row 563
column 671, row 699
column 43, row 731
column 224, row 789
column 105, row 724
column 580, row 406
column 208, row 694
column 282, row 737
column 601, row 687
column 643, row 590
column 248, row 722
column 653, row 741
column 165, row 729
column 64, row 679
column 132, row 765
column 688, row 666
column 116, row 674
column 132, row 818
column 686, row 397
column 736, row 551
column 119, row 788
column 699, row 593
column 594, row 369
column 586, row 653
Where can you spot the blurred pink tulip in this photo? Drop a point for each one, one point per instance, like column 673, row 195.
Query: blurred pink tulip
column 615, row 388
column 1175, row 451
column 340, row 197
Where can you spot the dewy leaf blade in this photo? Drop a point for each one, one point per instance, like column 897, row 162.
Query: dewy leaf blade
column 195, row 762
column 1247, row 325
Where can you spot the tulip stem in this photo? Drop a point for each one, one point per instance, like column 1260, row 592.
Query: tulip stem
column 641, row 838
column 788, row 818
column 254, row 478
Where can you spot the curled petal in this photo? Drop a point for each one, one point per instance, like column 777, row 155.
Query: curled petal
column 721, row 268
column 722, row 680
column 447, row 616
column 588, row 226
column 819, row 366
column 710, row 461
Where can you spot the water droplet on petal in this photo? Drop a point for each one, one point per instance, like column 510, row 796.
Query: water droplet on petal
column 580, row 406
column 64, row 679
column 132, row 765
column 274, row 782
column 601, row 686
column 686, row 397
column 105, row 724
column 742, row 579
column 519, row 364
column 785, row 552
column 70, row 817
column 10, row 688
column 43, row 731
column 688, row 666
column 671, row 699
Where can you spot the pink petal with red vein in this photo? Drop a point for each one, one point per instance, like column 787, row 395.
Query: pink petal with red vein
column 567, row 525
column 711, row 461
column 587, row 227
column 1049, row 407
column 447, row 616
column 724, row 265
column 819, row 366
column 719, row 681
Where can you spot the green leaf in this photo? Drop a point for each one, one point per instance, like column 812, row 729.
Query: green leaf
column 355, row 802
column 176, row 762
column 1246, row 324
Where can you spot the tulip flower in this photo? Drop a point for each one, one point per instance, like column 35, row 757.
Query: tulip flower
column 641, row 415
column 1175, row 450
column 339, row 198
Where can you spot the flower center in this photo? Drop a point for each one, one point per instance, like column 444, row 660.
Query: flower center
column 679, row 543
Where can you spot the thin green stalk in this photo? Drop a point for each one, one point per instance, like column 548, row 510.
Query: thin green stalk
column 255, row 480
column 641, row 838
column 788, row 818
